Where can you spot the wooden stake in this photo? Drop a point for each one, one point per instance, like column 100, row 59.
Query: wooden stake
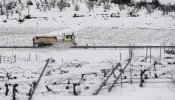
column 29, row 56
column 150, row 54
column 155, row 74
column 146, row 53
column 131, row 75
column 120, row 56
column 110, row 88
column 36, row 56
column 160, row 54
column 0, row 58
column 15, row 58
column 35, row 86
column 164, row 48
column 121, row 74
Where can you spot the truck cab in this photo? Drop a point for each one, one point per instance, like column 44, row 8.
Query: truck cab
column 68, row 37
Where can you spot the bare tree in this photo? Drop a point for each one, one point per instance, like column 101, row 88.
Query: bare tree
column 76, row 7
column 19, row 13
column 4, row 1
column 29, row 3
column 48, row 5
column 149, row 9
column 19, row 1
column 53, row 3
column 121, row 7
column 73, row 2
column 42, row 2
column 1, row 6
column 106, row 6
column 12, row 11
column 22, row 5
column 38, row 3
column 90, row 5
column 8, row 7
column 61, row 5
column 15, row 3
column 44, row 7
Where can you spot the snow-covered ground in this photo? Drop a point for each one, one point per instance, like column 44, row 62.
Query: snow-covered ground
column 70, row 64
column 91, row 36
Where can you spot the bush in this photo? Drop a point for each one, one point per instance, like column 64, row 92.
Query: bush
column 29, row 2
column 141, row 4
column 117, row 15
column 4, row 21
column 21, row 20
column 76, row 15
column 156, row 3
column 27, row 17
column 121, row 2
column 127, row 2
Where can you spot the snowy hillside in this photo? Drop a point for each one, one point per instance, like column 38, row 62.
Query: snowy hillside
column 68, row 66
column 45, row 15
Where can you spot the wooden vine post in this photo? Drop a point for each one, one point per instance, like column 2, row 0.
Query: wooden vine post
column 35, row 86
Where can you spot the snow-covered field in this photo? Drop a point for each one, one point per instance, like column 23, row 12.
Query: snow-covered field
column 71, row 64
column 115, row 36
column 91, row 36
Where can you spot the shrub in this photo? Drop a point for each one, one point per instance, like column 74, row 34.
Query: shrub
column 121, row 2
column 127, row 2
column 29, row 2
column 27, row 17
column 141, row 4
column 156, row 3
